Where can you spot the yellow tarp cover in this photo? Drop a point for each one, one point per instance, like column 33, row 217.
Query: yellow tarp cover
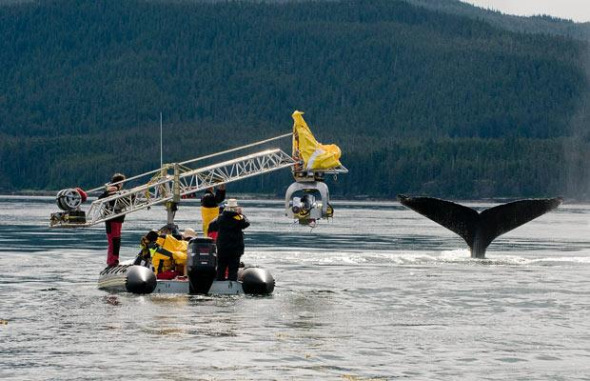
column 315, row 156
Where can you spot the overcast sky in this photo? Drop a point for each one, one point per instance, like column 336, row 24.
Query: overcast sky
column 577, row 10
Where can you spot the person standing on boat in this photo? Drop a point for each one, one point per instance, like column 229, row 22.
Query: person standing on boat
column 213, row 229
column 230, row 240
column 115, row 225
column 210, row 205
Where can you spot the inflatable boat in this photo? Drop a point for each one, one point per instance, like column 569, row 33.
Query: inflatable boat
column 200, row 277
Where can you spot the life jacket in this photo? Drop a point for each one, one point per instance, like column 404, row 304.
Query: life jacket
column 168, row 253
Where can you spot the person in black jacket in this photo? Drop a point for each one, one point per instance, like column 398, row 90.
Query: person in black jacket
column 115, row 225
column 213, row 228
column 230, row 240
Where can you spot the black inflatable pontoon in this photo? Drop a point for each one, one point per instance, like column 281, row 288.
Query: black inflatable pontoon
column 200, row 279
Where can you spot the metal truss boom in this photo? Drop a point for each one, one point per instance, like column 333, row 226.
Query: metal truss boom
column 183, row 181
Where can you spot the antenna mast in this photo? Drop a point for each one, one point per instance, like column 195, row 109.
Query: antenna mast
column 161, row 144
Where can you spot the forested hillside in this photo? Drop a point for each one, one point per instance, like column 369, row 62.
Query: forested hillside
column 538, row 24
column 420, row 101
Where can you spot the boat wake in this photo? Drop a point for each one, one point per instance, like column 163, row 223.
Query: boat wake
column 419, row 258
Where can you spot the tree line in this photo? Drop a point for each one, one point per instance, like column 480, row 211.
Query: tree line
column 419, row 101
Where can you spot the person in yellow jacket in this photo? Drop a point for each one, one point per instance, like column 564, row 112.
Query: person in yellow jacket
column 169, row 257
column 210, row 205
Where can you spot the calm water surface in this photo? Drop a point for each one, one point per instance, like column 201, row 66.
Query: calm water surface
column 378, row 293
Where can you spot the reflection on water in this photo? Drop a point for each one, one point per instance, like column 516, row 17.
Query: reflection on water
column 377, row 293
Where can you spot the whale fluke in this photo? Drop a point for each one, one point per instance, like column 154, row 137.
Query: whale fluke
column 480, row 229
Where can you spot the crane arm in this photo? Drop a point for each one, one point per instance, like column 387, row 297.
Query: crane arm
column 183, row 181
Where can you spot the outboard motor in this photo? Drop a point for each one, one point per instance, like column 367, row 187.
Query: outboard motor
column 201, row 264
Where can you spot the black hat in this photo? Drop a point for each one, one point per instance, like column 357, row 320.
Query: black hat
column 152, row 236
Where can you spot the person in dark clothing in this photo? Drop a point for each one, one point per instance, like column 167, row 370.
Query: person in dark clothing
column 115, row 225
column 210, row 204
column 147, row 245
column 213, row 229
column 230, row 240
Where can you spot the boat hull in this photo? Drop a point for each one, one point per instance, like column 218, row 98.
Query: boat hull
column 141, row 280
column 129, row 278
column 183, row 287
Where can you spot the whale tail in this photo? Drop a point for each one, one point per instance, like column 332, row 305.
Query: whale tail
column 480, row 229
